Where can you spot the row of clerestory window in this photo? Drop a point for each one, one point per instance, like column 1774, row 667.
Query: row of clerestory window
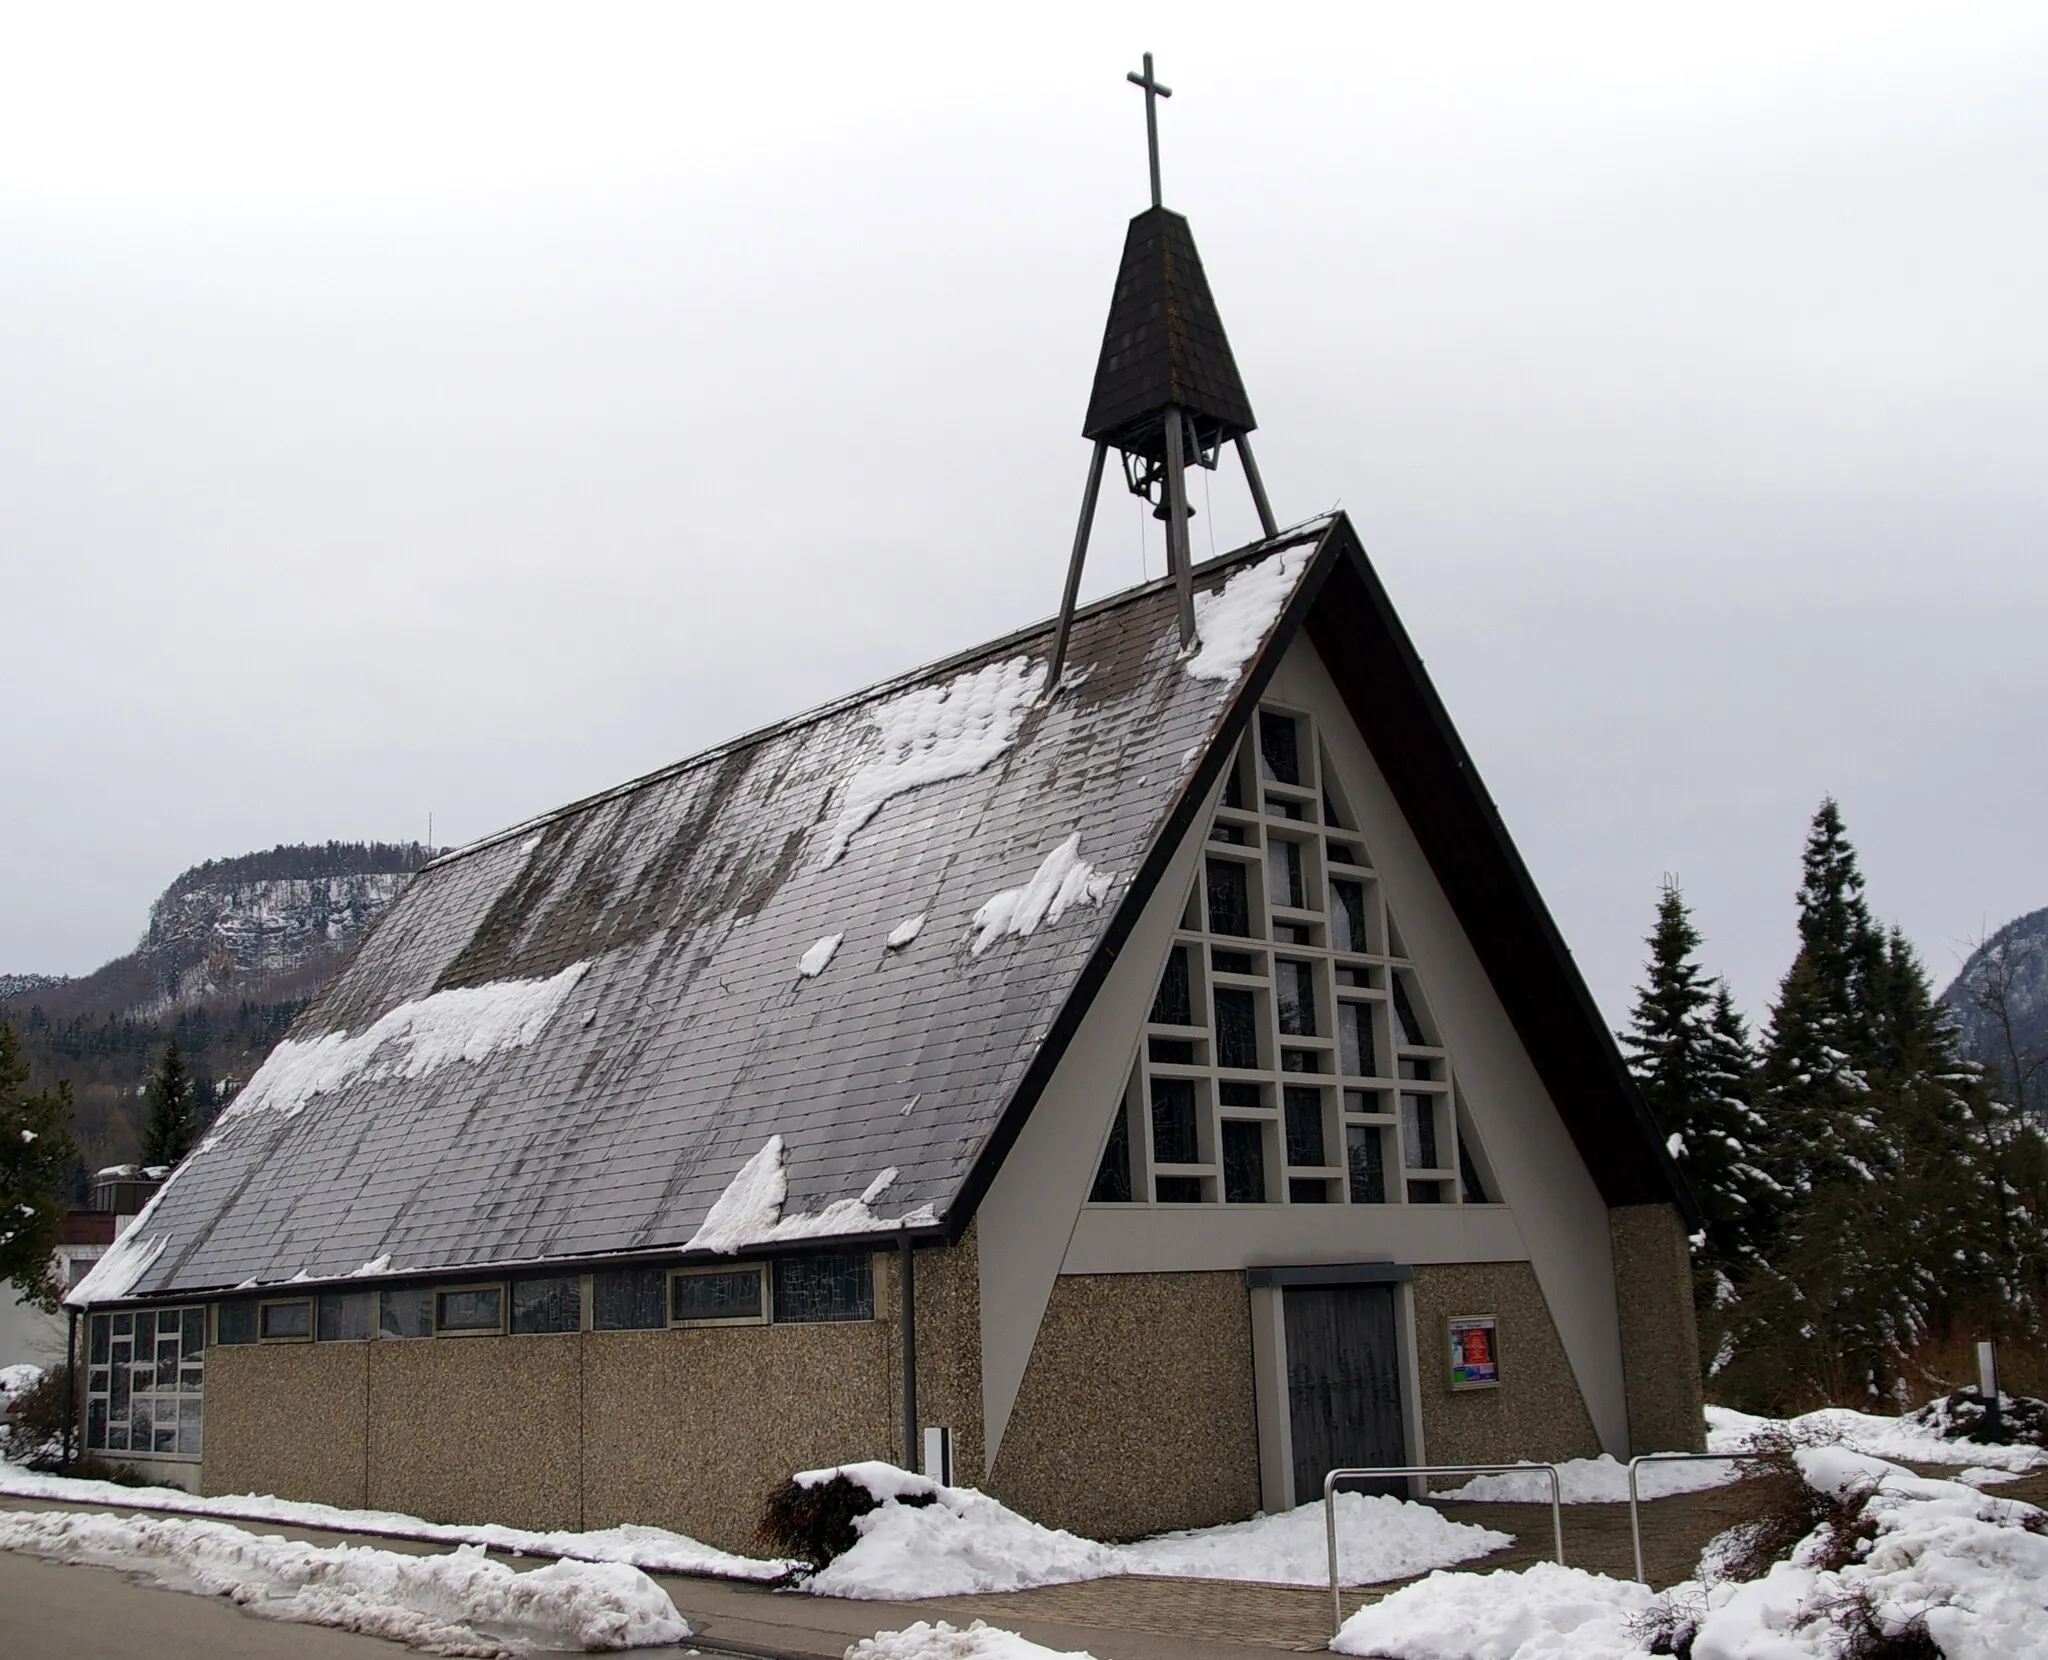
column 799, row 1290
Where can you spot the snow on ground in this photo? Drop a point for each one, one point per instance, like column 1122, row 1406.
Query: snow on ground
column 469, row 1023
column 462, row 1604
column 1063, row 878
column 655, row 1549
column 18, row 1380
column 1965, row 1562
column 932, row 734
column 1232, row 622
column 1545, row 1612
column 816, row 960
column 928, row 1641
column 1604, row 1480
column 964, row 1543
column 749, row 1211
column 1903, row 1440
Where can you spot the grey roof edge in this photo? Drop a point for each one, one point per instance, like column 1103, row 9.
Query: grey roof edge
column 1179, row 820
column 484, row 1272
column 1306, row 529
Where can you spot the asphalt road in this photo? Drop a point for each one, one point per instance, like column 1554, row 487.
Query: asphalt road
column 51, row 1612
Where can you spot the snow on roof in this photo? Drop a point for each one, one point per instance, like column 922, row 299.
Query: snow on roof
column 575, row 1038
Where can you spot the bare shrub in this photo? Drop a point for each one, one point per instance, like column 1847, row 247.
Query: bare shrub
column 815, row 1524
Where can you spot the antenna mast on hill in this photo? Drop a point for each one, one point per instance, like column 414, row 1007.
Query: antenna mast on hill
column 1167, row 391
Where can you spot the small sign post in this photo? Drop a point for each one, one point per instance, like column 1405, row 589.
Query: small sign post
column 1987, row 1384
column 1475, row 1351
column 938, row 1454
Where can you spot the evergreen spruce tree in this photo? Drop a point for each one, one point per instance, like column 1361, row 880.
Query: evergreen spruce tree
column 36, row 1156
column 1690, row 1054
column 173, row 1114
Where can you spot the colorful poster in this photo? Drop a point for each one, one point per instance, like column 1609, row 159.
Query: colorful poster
column 1475, row 1354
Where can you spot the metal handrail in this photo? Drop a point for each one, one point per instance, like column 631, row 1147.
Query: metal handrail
column 1330, row 1508
column 1635, row 1516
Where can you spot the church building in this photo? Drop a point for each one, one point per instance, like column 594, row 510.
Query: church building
column 1133, row 1046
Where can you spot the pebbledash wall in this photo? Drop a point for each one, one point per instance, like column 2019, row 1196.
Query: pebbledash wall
column 687, row 1428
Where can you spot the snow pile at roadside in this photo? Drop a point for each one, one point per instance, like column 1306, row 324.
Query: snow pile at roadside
column 1063, row 879
column 1912, row 1440
column 928, row 1641
column 1545, row 1612
column 964, row 1543
column 1966, row 1565
column 462, row 1604
column 933, row 734
column 654, row 1549
column 469, row 1023
column 1232, row 622
column 1378, row 1538
column 749, row 1211
column 1602, row 1480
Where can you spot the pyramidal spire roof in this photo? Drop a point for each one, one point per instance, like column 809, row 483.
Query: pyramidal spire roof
column 1164, row 346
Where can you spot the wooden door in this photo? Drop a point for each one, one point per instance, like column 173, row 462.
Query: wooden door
column 1343, row 1384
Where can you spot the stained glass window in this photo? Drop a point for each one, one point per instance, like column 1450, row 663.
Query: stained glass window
column 835, row 1285
column 1244, row 1162
column 629, row 1299
column 405, row 1311
column 551, row 1303
column 725, row 1294
column 342, row 1316
column 1279, row 751
column 1173, row 1122
column 1304, row 1125
column 1295, row 987
column 284, row 1322
column 1230, row 910
column 144, row 1388
column 1418, row 1131
column 1404, row 1012
column 1237, row 1030
column 1347, row 916
column 469, row 1311
column 1174, row 1006
column 1368, row 1164
column 1177, row 1190
column 1354, row 1041
column 1113, row 1175
column 1283, row 874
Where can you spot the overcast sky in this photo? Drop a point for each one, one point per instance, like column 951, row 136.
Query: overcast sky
column 432, row 410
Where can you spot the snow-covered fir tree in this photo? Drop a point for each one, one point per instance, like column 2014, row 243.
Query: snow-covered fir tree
column 1690, row 1053
column 1893, row 1215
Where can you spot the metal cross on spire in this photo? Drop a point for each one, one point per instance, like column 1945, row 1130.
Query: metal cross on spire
column 1155, row 89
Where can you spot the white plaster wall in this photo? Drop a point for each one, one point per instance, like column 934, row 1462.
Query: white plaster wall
column 1027, row 1217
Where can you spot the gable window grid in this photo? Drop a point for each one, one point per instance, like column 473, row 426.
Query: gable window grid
column 145, row 1382
column 1285, row 968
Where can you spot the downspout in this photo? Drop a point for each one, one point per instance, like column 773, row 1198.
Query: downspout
column 906, row 1275
column 70, row 1384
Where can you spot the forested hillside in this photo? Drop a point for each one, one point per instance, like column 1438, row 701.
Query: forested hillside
column 232, row 951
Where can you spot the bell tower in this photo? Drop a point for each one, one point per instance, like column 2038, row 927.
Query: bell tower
column 1167, row 393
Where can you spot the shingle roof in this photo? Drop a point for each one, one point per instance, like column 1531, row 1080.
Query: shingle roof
column 614, row 1103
